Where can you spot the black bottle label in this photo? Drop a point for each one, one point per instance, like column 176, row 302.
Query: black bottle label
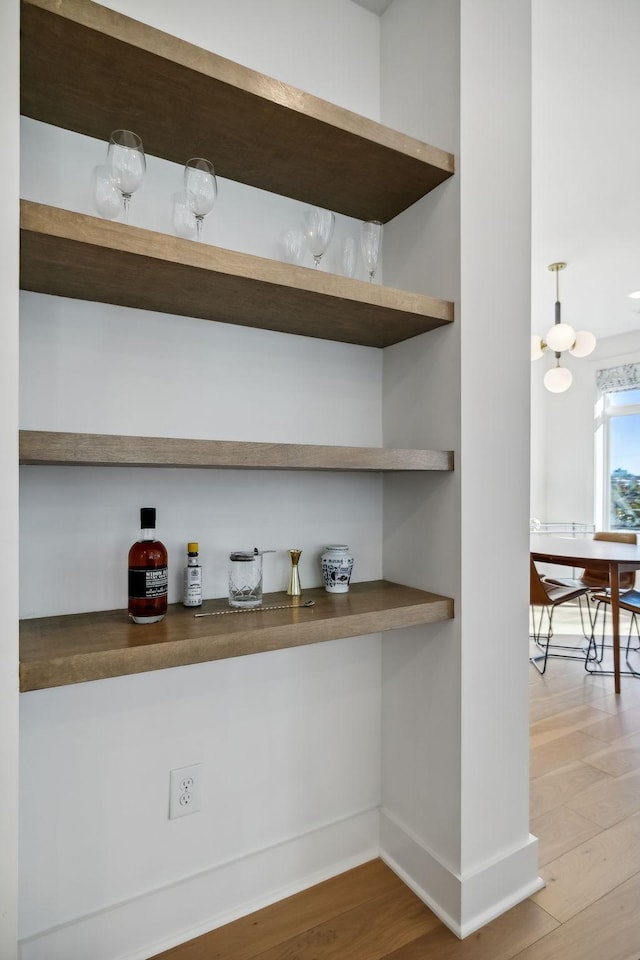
column 147, row 583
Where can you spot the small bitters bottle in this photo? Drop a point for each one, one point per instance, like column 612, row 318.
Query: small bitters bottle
column 148, row 573
column 192, row 592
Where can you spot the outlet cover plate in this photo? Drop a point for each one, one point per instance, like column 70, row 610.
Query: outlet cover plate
column 185, row 790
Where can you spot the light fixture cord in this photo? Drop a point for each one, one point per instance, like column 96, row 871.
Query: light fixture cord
column 557, row 313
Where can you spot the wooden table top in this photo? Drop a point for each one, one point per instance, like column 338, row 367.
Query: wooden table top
column 580, row 551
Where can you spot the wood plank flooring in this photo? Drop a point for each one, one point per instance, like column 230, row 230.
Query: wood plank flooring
column 585, row 811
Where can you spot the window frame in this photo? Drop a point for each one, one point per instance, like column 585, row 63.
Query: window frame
column 606, row 413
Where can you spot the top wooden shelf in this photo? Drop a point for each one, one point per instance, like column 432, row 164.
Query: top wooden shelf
column 91, row 70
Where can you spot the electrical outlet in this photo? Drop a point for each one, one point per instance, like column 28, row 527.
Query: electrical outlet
column 184, row 791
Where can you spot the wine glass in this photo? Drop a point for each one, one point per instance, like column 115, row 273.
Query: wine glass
column 200, row 189
column 127, row 162
column 348, row 256
column 184, row 223
column 107, row 198
column 293, row 243
column 318, row 230
column 370, row 243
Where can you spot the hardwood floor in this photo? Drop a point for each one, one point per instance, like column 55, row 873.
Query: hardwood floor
column 585, row 811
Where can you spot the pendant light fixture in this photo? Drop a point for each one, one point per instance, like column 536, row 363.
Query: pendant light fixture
column 559, row 338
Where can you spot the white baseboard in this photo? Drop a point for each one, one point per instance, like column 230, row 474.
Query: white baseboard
column 463, row 903
column 163, row 918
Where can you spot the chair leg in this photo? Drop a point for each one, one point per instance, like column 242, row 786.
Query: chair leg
column 632, row 623
column 591, row 657
column 537, row 638
column 544, row 644
column 592, row 622
column 600, row 658
column 590, row 636
column 592, row 649
column 536, row 630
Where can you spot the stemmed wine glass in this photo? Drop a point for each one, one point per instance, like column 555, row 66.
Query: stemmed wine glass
column 107, row 198
column 200, row 189
column 294, row 245
column 318, row 230
column 128, row 164
column 348, row 256
column 370, row 243
column 184, row 222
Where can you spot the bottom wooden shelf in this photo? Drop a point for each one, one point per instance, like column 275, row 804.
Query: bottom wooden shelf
column 55, row 651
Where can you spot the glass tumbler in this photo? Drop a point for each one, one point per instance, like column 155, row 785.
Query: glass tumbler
column 245, row 579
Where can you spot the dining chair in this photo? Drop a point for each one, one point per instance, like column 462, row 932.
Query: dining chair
column 630, row 602
column 547, row 596
column 597, row 581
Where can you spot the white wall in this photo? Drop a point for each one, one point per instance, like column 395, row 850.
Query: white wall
column 586, row 207
column 329, row 49
column 9, row 110
column 455, row 774
column 289, row 741
column 563, row 463
column 563, row 466
column 422, row 515
column 496, row 223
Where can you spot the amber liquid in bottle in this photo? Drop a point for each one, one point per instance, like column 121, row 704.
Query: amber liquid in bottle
column 148, row 573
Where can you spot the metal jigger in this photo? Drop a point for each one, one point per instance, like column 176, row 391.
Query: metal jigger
column 294, row 590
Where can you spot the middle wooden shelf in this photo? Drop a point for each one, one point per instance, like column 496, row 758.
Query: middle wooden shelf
column 73, row 255
column 90, row 449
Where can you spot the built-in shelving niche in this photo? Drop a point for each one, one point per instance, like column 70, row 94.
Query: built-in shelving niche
column 269, row 135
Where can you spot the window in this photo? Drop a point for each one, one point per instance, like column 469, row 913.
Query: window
column 620, row 408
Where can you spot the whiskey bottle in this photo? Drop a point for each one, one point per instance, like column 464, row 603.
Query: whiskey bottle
column 192, row 586
column 148, row 573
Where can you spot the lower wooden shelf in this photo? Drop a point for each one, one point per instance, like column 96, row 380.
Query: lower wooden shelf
column 56, row 651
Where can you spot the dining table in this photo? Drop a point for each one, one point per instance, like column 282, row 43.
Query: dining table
column 611, row 557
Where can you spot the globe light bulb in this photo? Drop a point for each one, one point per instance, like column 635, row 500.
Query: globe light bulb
column 560, row 337
column 585, row 343
column 558, row 379
column 536, row 347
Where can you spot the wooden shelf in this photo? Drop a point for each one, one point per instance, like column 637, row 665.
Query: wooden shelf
column 86, row 258
column 56, row 651
column 187, row 102
column 106, row 450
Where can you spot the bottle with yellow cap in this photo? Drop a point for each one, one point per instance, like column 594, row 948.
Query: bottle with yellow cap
column 192, row 593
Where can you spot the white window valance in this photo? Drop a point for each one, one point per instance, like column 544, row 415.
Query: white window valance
column 614, row 379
